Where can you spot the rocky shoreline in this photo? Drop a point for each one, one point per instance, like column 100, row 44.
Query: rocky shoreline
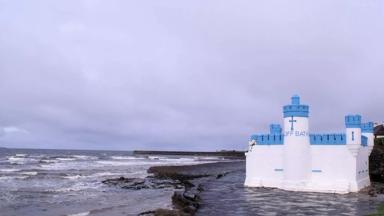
column 186, row 180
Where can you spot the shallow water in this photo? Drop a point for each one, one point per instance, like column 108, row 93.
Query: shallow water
column 63, row 182
column 228, row 196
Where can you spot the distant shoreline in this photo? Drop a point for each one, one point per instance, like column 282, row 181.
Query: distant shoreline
column 234, row 154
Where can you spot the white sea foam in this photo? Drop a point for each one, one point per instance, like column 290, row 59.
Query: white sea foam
column 85, row 157
column 12, row 177
column 74, row 177
column 29, row 173
column 80, row 214
column 124, row 158
column 155, row 157
column 66, row 159
column 16, row 160
column 48, row 161
column 128, row 162
column 104, row 174
column 9, row 170
column 181, row 160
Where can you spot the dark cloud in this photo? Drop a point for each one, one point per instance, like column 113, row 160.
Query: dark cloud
column 197, row 75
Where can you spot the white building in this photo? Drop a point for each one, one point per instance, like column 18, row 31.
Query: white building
column 293, row 159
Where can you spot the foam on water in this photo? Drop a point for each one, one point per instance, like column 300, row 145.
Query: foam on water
column 80, row 214
column 29, row 173
column 125, row 158
column 9, row 170
column 49, row 178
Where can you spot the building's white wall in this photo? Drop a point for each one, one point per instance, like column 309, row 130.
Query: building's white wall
column 297, row 157
column 353, row 139
column 371, row 138
column 362, row 167
column 261, row 165
column 337, row 166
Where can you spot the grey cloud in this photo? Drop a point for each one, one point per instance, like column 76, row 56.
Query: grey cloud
column 196, row 75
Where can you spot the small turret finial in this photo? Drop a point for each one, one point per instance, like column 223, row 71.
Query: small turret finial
column 295, row 100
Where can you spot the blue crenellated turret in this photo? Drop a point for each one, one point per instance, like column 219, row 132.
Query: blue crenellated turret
column 296, row 159
column 353, row 121
column 367, row 131
column 367, row 127
column 295, row 108
column 353, row 134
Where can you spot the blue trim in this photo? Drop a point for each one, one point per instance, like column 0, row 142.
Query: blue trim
column 353, row 121
column 317, row 171
column 268, row 139
column 364, row 141
column 295, row 109
column 279, row 170
column 327, row 139
column 367, row 127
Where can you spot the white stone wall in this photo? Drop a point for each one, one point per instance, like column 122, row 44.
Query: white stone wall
column 263, row 166
column 334, row 169
column 297, row 158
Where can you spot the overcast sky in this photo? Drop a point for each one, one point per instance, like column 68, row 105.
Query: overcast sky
column 183, row 75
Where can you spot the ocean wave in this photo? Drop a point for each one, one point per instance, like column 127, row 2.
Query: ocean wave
column 94, row 175
column 12, row 177
column 31, row 173
column 178, row 159
column 124, row 158
column 19, row 160
column 80, row 214
column 85, row 157
column 73, row 177
column 126, row 163
column 48, row 161
column 65, row 158
column 9, row 170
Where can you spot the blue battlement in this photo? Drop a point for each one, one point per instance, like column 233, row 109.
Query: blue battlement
column 328, row 139
column 295, row 108
column 353, row 121
column 367, row 127
column 268, row 139
column 275, row 129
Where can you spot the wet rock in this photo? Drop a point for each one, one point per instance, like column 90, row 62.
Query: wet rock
column 200, row 188
column 147, row 183
column 376, row 162
column 186, row 204
column 161, row 212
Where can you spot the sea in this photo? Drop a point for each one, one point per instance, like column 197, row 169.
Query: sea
column 69, row 182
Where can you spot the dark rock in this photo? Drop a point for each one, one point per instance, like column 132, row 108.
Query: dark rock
column 147, row 213
column 161, row 212
column 200, row 188
column 221, row 175
column 372, row 192
column 376, row 161
column 186, row 205
column 147, row 183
